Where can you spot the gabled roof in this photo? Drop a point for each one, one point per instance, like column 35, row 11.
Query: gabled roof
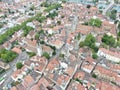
column 106, row 51
column 17, row 50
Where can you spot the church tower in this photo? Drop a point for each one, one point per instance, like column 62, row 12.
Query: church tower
column 39, row 49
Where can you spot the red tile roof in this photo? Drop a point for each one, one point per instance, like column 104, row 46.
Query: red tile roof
column 28, row 81
column 106, row 51
column 13, row 88
column 17, row 50
column 75, row 86
column 107, row 86
column 80, row 75
column 35, row 87
column 16, row 73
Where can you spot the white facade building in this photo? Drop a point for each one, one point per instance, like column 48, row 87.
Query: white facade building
column 110, row 55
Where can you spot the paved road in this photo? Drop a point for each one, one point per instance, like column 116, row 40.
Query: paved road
column 108, row 8
column 74, row 23
column 65, row 40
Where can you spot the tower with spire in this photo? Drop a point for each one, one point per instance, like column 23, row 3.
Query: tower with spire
column 39, row 49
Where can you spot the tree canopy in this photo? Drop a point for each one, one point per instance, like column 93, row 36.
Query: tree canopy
column 40, row 18
column 118, row 26
column 88, row 6
column 19, row 65
column 52, row 15
column 44, row 4
column 31, row 54
column 26, row 30
column 90, row 42
column 32, row 7
column 95, row 22
column 109, row 40
column 94, row 56
column 1, row 25
column 4, row 37
column 7, row 55
column 45, row 54
column 51, row 7
column 113, row 14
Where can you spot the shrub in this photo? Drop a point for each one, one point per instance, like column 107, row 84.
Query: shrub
column 94, row 56
column 31, row 54
column 45, row 54
column 94, row 75
column 19, row 65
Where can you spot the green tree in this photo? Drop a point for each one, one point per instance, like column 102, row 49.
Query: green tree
column 31, row 54
column 78, row 80
column 118, row 34
column 12, row 30
column 113, row 14
column 1, row 25
column 94, row 56
column 19, row 65
column 109, row 40
column 32, row 7
column 95, row 22
column 4, row 57
column 54, row 53
column 26, row 30
column 53, row 6
column 44, row 4
column 118, row 26
column 42, row 42
column 90, row 40
column 58, row 22
column 53, row 47
column 45, row 54
column 41, row 32
column 94, row 75
column 88, row 6
column 118, row 43
column 81, row 44
column 40, row 19
column 15, row 83
column 61, row 55
column 7, row 55
column 63, row 1
column 52, row 15
column 37, row 36
column 78, row 36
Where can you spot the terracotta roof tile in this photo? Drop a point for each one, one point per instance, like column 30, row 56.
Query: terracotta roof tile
column 13, row 88
column 80, row 75
column 28, row 81
column 106, row 51
column 17, row 50
column 35, row 87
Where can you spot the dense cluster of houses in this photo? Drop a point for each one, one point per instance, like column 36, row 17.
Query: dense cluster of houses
column 70, row 67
